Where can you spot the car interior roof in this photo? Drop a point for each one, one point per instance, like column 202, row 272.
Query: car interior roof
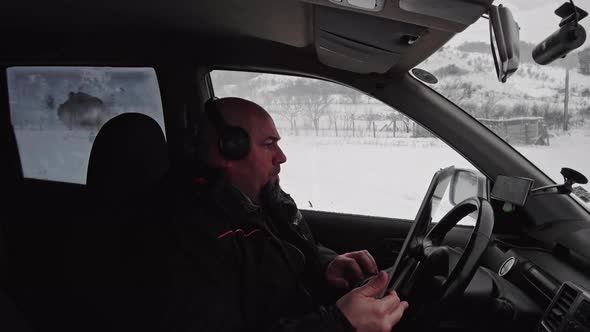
column 205, row 27
column 183, row 40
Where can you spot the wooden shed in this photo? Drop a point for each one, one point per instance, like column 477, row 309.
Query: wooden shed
column 522, row 130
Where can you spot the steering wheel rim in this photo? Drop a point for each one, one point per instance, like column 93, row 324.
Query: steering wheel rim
column 422, row 246
column 463, row 271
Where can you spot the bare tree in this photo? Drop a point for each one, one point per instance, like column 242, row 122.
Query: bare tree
column 334, row 116
column 315, row 106
column 350, row 117
column 458, row 90
column 354, row 99
column 584, row 111
column 393, row 118
column 287, row 108
column 407, row 122
column 492, row 99
column 371, row 117
column 584, row 60
column 309, row 98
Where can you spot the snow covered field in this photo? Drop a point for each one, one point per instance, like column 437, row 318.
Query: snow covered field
column 370, row 179
column 57, row 155
column 565, row 150
column 391, row 177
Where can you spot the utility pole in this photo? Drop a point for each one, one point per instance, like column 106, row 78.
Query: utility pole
column 566, row 98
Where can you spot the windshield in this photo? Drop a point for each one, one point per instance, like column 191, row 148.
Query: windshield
column 542, row 111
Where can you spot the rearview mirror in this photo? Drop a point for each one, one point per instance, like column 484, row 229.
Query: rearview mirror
column 504, row 40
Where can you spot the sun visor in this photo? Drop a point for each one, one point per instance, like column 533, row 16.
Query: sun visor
column 361, row 43
column 346, row 54
column 460, row 11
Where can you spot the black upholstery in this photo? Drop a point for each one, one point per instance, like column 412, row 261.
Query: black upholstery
column 127, row 166
column 129, row 156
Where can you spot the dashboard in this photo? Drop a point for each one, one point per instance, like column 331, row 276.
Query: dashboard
column 560, row 290
column 569, row 310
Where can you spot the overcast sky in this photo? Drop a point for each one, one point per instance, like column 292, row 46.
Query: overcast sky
column 536, row 19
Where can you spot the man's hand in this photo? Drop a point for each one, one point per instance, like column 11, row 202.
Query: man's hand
column 368, row 314
column 348, row 269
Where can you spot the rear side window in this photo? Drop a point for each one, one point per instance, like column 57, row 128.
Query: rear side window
column 56, row 113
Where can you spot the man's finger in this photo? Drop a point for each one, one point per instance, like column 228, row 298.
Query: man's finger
column 375, row 286
column 355, row 273
column 391, row 301
column 366, row 262
column 398, row 313
column 373, row 262
column 340, row 283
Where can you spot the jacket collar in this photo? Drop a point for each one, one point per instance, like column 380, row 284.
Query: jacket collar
column 233, row 202
column 237, row 205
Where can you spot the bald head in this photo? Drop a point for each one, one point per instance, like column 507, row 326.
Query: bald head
column 235, row 112
column 240, row 112
column 262, row 163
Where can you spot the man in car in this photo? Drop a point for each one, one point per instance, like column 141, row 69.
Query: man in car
column 247, row 259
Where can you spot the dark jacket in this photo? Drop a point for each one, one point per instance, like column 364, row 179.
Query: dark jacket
column 239, row 266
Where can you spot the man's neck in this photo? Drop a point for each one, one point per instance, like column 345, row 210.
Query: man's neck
column 247, row 198
column 254, row 199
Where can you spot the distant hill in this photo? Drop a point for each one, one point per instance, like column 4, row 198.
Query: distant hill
column 467, row 77
column 475, row 47
column 526, row 52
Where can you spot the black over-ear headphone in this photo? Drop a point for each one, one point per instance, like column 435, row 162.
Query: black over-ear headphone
column 234, row 142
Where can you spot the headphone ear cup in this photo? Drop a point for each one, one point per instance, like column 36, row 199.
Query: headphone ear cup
column 234, row 144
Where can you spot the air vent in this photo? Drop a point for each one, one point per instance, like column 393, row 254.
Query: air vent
column 560, row 307
column 582, row 315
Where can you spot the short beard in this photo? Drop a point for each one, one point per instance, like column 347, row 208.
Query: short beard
column 270, row 193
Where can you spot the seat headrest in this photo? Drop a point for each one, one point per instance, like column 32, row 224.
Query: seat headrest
column 129, row 155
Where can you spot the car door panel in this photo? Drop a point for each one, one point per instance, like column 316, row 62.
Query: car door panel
column 382, row 237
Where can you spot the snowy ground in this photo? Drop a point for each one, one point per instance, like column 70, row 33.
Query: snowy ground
column 565, row 150
column 57, row 155
column 378, row 177
column 390, row 176
column 369, row 179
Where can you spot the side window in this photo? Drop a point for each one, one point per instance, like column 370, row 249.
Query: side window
column 346, row 152
column 56, row 113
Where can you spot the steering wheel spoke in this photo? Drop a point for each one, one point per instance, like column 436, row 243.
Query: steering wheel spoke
column 430, row 274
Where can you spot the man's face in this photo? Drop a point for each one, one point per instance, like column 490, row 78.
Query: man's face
column 263, row 164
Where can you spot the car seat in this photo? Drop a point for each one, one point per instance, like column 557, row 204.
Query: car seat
column 128, row 157
column 128, row 163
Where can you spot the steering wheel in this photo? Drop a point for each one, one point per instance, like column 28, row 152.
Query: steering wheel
column 429, row 274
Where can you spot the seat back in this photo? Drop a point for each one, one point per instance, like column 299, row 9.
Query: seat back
column 129, row 156
column 128, row 162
